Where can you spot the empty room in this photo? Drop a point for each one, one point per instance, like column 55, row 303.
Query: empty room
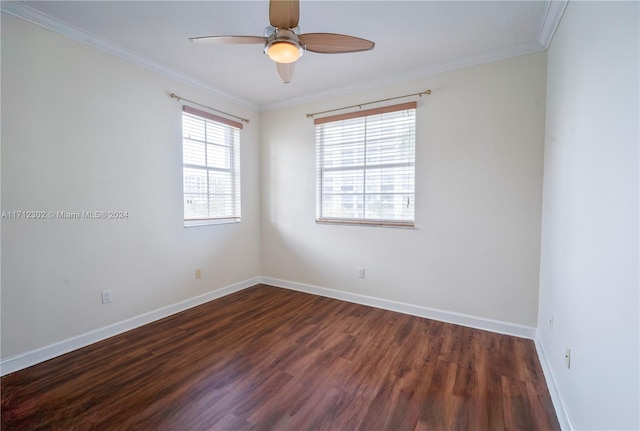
column 305, row 215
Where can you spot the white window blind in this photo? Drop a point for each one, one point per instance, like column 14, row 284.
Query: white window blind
column 366, row 167
column 211, row 168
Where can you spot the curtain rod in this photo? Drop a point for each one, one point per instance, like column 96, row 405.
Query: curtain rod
column 360, row 105
column 178, row 98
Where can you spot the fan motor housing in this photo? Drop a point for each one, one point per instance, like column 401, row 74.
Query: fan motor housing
column 283, row 46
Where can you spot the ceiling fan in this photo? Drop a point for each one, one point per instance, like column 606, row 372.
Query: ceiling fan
column 283, row 42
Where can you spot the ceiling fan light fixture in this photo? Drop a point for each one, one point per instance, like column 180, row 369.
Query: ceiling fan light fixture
column 283, row 51
column 284, row 44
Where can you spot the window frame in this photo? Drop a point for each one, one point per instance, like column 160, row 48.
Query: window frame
column 321, row 169
column 232, row 140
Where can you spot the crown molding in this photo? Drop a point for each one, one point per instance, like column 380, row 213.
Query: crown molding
column 552, row 16
column 29, row 14
column 458, row 63
column 553, row 12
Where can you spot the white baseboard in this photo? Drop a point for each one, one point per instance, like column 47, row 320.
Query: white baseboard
column 18, row 362
column 414, row 310
column 556, row 396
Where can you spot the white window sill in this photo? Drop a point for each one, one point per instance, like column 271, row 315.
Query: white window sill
column 209, row 222
column 372, row 223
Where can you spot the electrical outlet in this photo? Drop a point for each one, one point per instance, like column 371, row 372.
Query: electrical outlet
column 360, row 272
column 567, row 358
column 106, row 296
column 198, row 273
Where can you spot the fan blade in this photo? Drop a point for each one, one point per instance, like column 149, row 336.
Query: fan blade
column 331, row 43
column 284, row 13
column 285, row 70
column 229, row 39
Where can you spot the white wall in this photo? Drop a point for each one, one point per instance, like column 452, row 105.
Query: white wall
column 478, row 198
column 589, row 253
column 82, row 130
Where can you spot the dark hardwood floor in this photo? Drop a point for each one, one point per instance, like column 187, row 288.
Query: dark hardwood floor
column 272, row 359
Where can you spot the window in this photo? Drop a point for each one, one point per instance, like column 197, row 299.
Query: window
column 211, row 168
column 365, row 165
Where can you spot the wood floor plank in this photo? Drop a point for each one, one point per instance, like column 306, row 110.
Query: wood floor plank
column 273, row 359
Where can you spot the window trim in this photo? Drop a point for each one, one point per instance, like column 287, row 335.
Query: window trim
column 319, row 193
column 234, row 170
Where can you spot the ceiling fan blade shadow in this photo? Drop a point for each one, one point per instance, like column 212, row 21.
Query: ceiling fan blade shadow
column 284, row 13
column 285, row 70
column 235, row 40
column 331, row 43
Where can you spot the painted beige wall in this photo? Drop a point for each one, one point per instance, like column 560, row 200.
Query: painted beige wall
column 83, row 130
column 589, row 273
column 479, row 152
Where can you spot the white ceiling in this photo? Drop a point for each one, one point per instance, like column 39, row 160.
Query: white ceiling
column 413, row 39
